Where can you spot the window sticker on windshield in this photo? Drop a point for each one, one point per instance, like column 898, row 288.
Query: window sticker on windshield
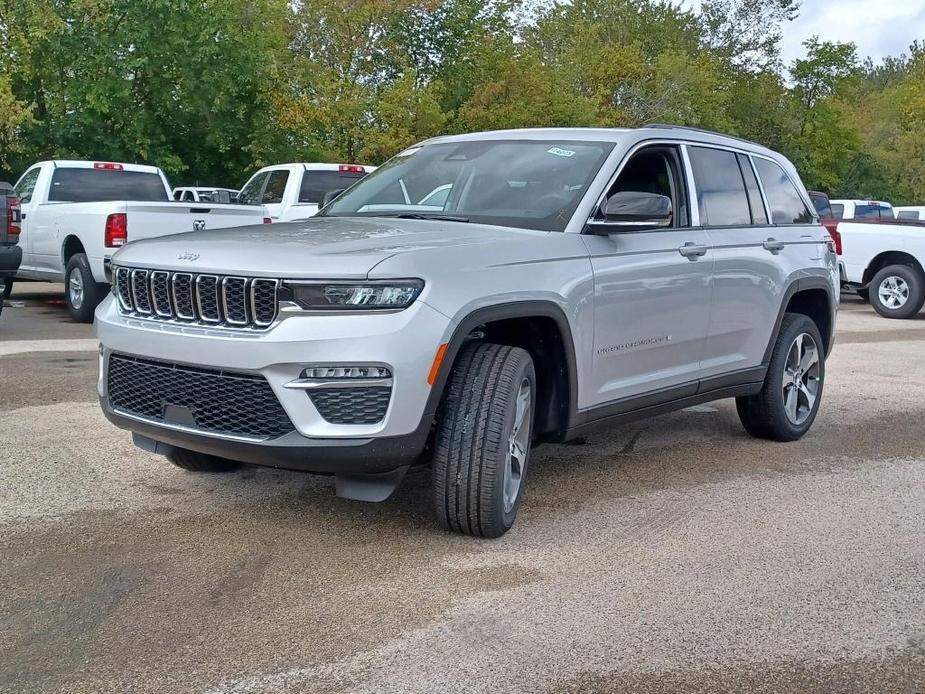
column 560, row 152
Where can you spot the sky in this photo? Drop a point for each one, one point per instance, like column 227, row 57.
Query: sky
column 879, row 27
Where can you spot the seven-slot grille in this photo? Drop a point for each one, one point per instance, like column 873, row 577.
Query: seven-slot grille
column 238, row 302
column 218, row 402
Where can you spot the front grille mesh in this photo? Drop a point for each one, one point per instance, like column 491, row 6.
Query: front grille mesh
column 218, row 402
column 361, row 405
column 237, row 302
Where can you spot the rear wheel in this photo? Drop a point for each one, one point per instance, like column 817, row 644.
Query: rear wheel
column 787, row 404
column 82, row 293
column 6, row 288
column 897, row 291
column 200, row 462
column 483, row 440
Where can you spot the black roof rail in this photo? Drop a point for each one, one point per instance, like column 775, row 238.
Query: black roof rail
column 704, row 131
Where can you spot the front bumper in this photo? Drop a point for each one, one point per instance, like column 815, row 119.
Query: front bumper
column 404, row 341
column 10, row 258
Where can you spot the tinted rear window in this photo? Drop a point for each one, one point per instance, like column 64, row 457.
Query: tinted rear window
column 907, row 214
column 316, row 183
column 721, row 192
column 838, row 210
column 98, row 185
column 787, row 207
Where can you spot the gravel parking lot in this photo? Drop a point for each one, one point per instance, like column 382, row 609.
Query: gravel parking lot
column 671, row 554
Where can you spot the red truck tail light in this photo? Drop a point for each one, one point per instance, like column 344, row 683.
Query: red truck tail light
column 105, row 166
column 267, row 220
column 351, row 169
column 116, row 230
column 13, row 218
column 831, row 226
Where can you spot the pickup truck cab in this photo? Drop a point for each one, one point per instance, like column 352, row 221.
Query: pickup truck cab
column 76, row 214
column 884, row 264
column 291, row 192
column 10, row 252
column 871, row 210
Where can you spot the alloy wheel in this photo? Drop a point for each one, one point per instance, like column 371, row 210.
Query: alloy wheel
column 518, row 446
column 75, row 288
column 893, row 292
column 801, row 378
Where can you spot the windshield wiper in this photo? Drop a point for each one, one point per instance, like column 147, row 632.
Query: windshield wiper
column 426, row 215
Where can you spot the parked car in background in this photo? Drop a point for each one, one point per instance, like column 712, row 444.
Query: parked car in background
column 912, row 213
column 870, row 210
column 884, row 263
column 76, row 214
column 224, row 196
column 571, row 278
column 10, row 252
column 295, row 191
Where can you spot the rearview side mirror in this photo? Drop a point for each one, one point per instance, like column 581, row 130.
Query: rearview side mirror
column 633, row 211
column 330, row 196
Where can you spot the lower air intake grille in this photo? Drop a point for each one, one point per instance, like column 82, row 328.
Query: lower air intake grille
column 218, row 402
column 359, row 405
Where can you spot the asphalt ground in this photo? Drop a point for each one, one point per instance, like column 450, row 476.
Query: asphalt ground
column 675, row 554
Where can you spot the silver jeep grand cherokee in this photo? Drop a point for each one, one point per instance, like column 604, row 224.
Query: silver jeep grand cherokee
column 476, row 295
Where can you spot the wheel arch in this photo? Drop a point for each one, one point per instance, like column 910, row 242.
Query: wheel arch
column 887, row 258
column 72, row 246
column 813, row 297
column 542, row 328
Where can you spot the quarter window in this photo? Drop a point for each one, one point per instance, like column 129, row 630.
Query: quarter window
column 26, row 185
column 907, row 214
column 787, row 207
column 838, row 210
column 755, row 203
column 721, row 194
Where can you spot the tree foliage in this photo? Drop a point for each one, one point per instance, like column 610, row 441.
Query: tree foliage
column 211, row 89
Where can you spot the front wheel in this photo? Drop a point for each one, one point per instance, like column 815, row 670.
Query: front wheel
column 787, row 404
column 483, row 440
column 82, row 293
column 897, row 292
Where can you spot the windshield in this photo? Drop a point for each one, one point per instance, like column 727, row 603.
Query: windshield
column 530, row 184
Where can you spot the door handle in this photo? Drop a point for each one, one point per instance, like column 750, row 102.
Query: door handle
column 692, row 251
column 773, row 245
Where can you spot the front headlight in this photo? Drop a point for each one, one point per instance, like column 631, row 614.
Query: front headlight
column 359, row 296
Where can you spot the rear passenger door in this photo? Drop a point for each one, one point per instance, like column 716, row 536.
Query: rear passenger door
column 759, row 237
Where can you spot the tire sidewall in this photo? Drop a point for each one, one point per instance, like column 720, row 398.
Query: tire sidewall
column 84, row 314
column 525, row 370
column 775, row 379
column 916, row 289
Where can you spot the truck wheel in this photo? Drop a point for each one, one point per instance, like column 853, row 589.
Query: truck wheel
column 787, row 404
column 897, row 292
column 200, row 462
column 483, row 440
column 7, row 289
column 81, row 292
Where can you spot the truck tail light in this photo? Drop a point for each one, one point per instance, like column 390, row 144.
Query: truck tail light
column 116, row 230
column 267, row 220
column 106, row 166
column 13, row 218
column 351, row 169
column 831, row 226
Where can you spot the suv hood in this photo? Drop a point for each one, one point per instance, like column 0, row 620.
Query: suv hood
column 319, row 248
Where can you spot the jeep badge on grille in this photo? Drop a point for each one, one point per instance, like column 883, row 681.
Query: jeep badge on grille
column 188, row 255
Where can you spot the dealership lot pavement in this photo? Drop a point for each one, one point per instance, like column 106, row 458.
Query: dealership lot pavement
column 671, row 554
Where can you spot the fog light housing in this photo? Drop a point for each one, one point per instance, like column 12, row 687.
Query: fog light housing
column 329, row 373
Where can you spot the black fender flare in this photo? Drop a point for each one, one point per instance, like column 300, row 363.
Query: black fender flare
column 800, row 285
column 504, row 311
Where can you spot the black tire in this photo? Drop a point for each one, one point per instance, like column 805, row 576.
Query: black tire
column 200, row 462
column 7, row 283
column 764, row 415
column 914, row 281
column 93, row 292
column 473, row 439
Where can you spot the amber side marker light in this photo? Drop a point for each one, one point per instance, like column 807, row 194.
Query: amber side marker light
column 438, row 360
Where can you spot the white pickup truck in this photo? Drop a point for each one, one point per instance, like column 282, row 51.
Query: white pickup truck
column 76, row 214
column 884, row 263
column 291, row 192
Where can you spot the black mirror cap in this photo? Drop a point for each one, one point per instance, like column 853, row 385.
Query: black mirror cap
column 634, row 211
column 330, row 196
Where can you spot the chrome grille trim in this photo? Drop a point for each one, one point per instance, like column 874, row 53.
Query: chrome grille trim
column 158, row 276
column 208, row 314
column 141, row 295
column 189, row 298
